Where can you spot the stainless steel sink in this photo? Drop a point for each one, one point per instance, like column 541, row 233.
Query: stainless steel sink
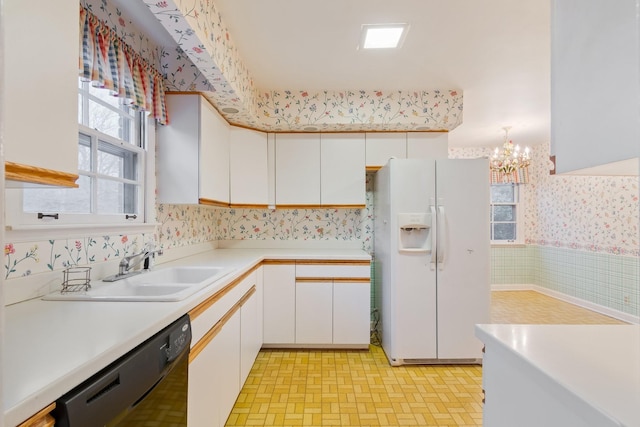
column 165, row 284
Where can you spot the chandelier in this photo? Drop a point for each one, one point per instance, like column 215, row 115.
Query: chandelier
column 510, row 158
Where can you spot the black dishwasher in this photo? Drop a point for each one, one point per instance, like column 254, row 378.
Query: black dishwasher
column 145, row 387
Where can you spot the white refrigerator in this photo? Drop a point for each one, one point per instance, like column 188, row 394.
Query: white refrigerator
column 431, row 254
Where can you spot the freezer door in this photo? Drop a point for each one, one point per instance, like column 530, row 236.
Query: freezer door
column 462, row 188
column 412, row 284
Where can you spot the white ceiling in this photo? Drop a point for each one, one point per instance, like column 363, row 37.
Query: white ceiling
column 495, row 51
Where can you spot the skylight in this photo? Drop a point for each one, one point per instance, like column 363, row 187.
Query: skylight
column 383, row 36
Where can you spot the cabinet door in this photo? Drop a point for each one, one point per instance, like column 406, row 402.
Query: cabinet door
column 40, row 99
column 250, row 335
column 427, row 145
column 314, row 324
column 382, row 146
column 343, row 172
column 202, row 409
column 248, row 165
column 298, row 169
column 595, row 86
column 214, row 377
column 227, row 366
column 279, row 303
column 178, row 151
column 351, row 312
column 214, row 154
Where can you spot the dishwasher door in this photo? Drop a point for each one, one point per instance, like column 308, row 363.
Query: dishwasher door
column 146, row 387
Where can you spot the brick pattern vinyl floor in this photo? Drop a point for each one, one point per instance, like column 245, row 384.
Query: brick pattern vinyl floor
column 360, row 388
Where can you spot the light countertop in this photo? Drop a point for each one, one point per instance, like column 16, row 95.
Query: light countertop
column 598, row 364
column 52, row 346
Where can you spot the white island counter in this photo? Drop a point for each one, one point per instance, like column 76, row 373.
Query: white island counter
column 561, row 375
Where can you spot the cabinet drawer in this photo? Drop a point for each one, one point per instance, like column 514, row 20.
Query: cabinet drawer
column 333, row 271
column 217, row 307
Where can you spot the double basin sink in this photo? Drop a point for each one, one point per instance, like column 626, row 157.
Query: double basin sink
column 165, row 284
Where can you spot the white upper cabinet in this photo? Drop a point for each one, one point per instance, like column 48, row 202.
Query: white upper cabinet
column 40, row 99
column 249, row 168
column 382, row 146
column 297, row 169
column 193, row 153
column 428, row 145
column 214, row 156
column 595, row 86
column 343, row 172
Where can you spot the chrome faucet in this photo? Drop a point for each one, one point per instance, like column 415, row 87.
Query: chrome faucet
column 125, row 266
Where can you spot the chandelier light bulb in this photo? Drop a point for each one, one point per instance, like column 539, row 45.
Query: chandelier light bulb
column 510, row 158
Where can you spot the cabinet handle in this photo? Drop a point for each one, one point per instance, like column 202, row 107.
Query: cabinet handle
column 41, row 215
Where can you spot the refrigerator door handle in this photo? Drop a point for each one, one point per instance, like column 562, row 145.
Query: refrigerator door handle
column 434, row 238
column 440, row 249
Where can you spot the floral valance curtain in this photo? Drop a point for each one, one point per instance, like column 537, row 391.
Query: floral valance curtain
column 110, row 63
column 518, row 176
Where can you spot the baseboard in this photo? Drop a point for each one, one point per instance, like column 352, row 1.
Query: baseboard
column 616, row 314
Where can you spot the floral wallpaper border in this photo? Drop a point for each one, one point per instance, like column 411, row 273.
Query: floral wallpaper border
column 217, row 69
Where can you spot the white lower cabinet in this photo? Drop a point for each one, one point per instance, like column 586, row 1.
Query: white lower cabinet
column 351, row 312
column 279, row 303
column 317, row 303
column 227, row 336
column 214, row 377
column 314, row 312
column 250, row 334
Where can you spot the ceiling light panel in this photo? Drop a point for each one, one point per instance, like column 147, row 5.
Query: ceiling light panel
column 383, row 36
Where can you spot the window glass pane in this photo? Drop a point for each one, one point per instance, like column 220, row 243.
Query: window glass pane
column 105, row 96
column 80, row 109
column 503, row 193
column 104, row 119
column 503, row 231
column 116, row 197
column 84, row 153
column 504, row 213
column 116, row 161
column 60, row 200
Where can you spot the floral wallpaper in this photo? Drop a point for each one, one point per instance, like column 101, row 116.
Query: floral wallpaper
column 26, row 258
column 184, row 225
column 589, row 213
column 216, row 68
column 197, row 28
column 126, row 29
column 300, row 224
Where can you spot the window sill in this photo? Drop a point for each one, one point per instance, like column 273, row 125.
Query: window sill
column 30, row 233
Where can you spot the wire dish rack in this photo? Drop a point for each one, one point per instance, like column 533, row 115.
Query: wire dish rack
column 75, row 279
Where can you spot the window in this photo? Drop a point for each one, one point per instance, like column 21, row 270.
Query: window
column 505, row 214
column 111, row 166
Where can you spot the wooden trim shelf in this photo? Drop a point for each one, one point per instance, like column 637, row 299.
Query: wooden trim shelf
column 320, row 206
column 211, row 202
column 42, row 419
column 36, row 175
column 373, row 168
column 247, row 206
column 334, row 279
column 279, row 262
column 333, row 262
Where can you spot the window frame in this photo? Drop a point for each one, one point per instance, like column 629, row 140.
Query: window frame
column 20, row 224
column 519, row 219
